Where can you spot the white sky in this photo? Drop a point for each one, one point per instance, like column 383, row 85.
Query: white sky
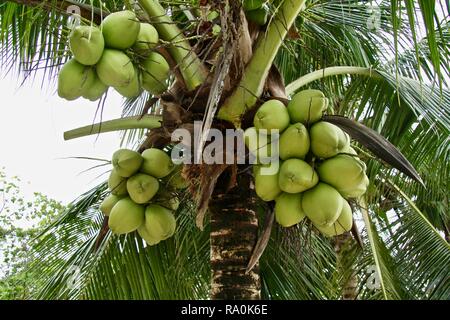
column 32, row 122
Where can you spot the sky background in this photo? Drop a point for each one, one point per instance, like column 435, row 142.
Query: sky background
column 32, row 123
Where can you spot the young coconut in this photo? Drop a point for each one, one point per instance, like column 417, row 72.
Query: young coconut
column 294, row 142
column 156, row 163
column 155, row 74
column 120, row 29
column 250, row 5
column 258, row 16
column 288, row 209
column 108, row 203
column 322, row 204
column 297, row 176
column 147, row 236
column 159, row 222
column 147, row 39
column 142, row 187
column 73, row 79
column 307, row 106
column 176, row 180
column 258, row 144
column 266, row 185
column 95, row 90
column 126, row 216
column 126, row 162
column 117, row 184
column 133, row 89
column 346, row 174
column 327, row 140
column 271, row 115
column 86, row 44
column 115, row 68
column 343, row 223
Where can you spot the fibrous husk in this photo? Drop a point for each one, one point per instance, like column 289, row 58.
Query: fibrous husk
column 73, row 79
column 142, row 187
column 346, row 174
column 117, row 184
column 343, row 223
column 155, row 74
column 297, row 176
column 147, row 39
column 134, row 88
column 126, row 216
column 271, row 115
column 159, row 221
column 115, row 68
column 86, row 44
column 120, row 29
column 322, row 204
column 108, row 203
column 126, row 162
column 294, row 142
column 95, row 90
column 156, row 163
column 327, row 140
column 288, row 209
column 307, row 106
column 266, row 183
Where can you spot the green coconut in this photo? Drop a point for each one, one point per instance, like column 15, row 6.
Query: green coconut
column 126, row 162
column 343, row 223
column 126, row 216
column 258, row 16
column 327, row 140
column 297, row 176
column 115, row 68
column 142, row 187
column 258, row 144
column 95, row 90
column 147, row 236
column 166, row 199
column 117, row 184
column 155, row 74
column 307, row 106
column 266, row 185
column 271, row 115
column 120, row 29
column 322, row 204
column 73, row 79
column 159, row 221
column 147, row 39
column 86, row 44
column 156, row 163
column 133, row 89
column 346, row 174
column 294, row 142
column 249, row 5
column 175, row 178
column 288, row 209
column 108, row 203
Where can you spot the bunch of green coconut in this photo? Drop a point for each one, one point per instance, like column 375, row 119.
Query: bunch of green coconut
column 256, row 11
column 119, row 54
column 141, row 194
column 318, row 170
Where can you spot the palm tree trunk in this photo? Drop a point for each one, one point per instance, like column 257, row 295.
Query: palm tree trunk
column 350, row 286
column 234, row 231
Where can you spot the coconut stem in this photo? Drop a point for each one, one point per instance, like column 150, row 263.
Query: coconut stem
column 191, row 67
column 137, row 122
column 326, row 72
column 252, row 83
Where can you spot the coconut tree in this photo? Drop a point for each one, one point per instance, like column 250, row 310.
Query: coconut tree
column 383, row 65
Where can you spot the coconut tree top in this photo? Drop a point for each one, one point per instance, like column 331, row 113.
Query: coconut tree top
column 358, row 92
